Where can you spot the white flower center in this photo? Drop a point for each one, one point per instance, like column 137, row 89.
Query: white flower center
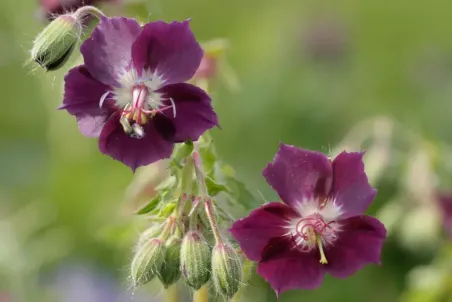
column 137, row 99
column 317, row 227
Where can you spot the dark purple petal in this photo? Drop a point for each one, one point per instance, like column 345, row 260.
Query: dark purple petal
column 107, row 52
column 194, row 112
column 132, row 151
column 81, row 98
column 359, row 242
column 285, row 267
column 445, row 203
column 254, row 232
column 296, row 173
column 350, row 185
column 168, row 49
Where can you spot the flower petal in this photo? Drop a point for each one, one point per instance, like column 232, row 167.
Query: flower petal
column 81, row 98
column 132, row 151
column 297, row 173
column 169, row 50
column 351, row 189
column 254, row 232
column 194, row 113
column 359, row 243
column 107, row 52
column 285, row 267
column 445, row 203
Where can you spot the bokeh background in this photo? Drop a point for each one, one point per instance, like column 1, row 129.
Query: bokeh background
column 323, row 75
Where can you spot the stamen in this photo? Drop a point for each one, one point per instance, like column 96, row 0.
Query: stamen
column 125, row 125
column 323, row 259
column 138, row 131
column 174, row 107
column 103, row 98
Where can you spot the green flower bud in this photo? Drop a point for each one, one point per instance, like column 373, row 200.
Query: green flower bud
column 149, row 234
column 169, row 272
column 195, row 260
column 54, row 45
column 147, row 261
column 226, row 270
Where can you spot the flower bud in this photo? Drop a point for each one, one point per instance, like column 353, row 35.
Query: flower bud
column 226, row 270
column 195, row 259
column 54, row 45
column 148, row 235
column 169, row 272
column 147, row 261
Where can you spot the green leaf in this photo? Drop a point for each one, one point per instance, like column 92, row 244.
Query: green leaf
column 153, row 203
column 207, row 152
column 182, row 151
column 167, row 209
column 167, row 184
column 241, row 195
column 214, row 188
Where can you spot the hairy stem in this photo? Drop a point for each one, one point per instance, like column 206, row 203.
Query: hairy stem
column 208, row 205
column 88, row 10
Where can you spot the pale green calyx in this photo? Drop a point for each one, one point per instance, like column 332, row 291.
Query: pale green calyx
column 169, row 272
column 226, row 270
column 148, row 259
column 195, row 259
column 55, row 44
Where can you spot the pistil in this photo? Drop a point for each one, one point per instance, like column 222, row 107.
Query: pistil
column 323, row 259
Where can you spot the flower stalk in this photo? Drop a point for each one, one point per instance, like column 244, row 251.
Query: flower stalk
column 88, row 10
column 208, row 205
column 201, row 295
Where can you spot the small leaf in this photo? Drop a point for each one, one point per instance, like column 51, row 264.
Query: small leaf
column 153, row 203
column 167, row 209
column 167, row 184
column 214, row 188
column 241, row 194
column 207, row 152
column 182, row 151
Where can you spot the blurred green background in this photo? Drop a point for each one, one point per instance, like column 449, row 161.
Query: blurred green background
column 322, row 75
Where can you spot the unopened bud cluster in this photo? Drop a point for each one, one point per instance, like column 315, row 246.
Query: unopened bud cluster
column 188, row 245
column 191, row 257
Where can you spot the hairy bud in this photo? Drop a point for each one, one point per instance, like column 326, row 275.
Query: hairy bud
column 169, row 272
column 149, row 234
column 148, row 259
column 54, row 45
column 195, row 259
column 226, row 270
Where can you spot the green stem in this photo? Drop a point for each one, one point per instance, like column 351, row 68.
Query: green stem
column 201, row 295
column 166, row 230
column 186, row 185
column 208, row 205
column 88, row 10
column 172, row 294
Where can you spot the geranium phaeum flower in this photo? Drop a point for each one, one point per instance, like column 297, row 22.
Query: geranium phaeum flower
column 445, row 205
column 319, row 228
column 130, row 91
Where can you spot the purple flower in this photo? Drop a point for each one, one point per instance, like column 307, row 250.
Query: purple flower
column 130, row 91
column 445, row 204
column 319, row 228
